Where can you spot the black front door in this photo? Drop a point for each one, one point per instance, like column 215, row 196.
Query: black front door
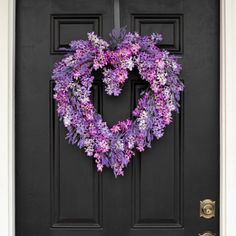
column 58, row 191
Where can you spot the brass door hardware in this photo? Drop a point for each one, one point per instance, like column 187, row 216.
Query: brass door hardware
column 207, row 233
column 207, row 209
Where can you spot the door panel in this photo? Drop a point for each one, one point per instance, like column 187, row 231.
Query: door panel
column 58, row 191
column 156, row 193
column 68, row 27
column 75, row 184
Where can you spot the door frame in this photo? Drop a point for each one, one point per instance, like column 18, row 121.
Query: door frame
column 227, row 117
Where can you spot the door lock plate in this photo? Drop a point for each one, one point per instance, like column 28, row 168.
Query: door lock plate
column 207, row 209
column 207, row 233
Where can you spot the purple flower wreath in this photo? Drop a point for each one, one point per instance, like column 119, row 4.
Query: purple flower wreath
column 113, row 147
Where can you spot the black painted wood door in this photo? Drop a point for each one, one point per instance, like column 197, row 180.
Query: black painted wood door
column 58, row 191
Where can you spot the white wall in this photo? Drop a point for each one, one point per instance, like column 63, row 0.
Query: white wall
column 6, row 118
column 228, row 118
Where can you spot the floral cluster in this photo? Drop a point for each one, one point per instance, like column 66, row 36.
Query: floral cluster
column 114, row 147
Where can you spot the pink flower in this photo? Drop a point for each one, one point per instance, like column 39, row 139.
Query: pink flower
column 104, row 147
column 89, row 116
column 115, row 128
column 135, row 47
column 140, row 148
column 161, row 64
column 124, row 125
column 99, row 167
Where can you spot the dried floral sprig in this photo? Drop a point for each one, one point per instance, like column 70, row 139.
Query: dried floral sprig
column 113, row 147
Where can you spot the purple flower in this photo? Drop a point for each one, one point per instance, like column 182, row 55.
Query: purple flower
column 114, row 147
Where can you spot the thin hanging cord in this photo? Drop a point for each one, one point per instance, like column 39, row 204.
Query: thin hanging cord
column 117, row 14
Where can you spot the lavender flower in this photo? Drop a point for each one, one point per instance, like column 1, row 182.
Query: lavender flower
column 114, row 147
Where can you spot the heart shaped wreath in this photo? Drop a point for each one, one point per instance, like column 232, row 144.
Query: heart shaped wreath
column 113, row 147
